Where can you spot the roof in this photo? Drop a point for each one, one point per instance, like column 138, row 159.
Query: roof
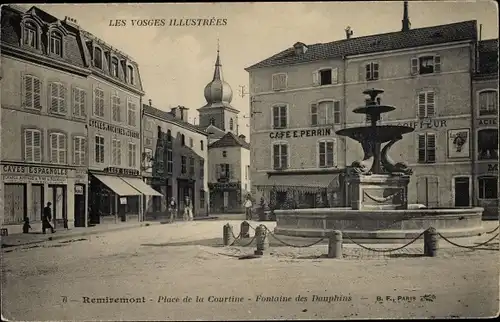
column 454, row 32
column 168, row 117
column 214, row 131
column 488, row 57
column 230, row 140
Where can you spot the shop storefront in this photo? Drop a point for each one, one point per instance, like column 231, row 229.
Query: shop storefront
column 225, row 197
column 28, row 188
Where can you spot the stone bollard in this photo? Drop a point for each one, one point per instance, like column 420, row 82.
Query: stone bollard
column 431, row 242
column 227, row 235
column 335, row 244
column 262, row 240
column 244, row 230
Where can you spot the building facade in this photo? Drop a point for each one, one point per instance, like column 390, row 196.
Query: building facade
column 302, row 95
column 229, row 173
column 174, row 162
column 43, row 128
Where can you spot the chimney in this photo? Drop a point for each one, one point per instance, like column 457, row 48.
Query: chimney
column 406, row 18
column 348, row 32
column 183, row 114
column 300, row 48
column 242, row 137
column 150, row 102
column 72, row 22
column 173, row 111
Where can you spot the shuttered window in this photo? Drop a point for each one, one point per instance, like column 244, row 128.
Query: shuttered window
column 99, row 102
column 280, row 116
column 280, row 156
column 58, row 148
column 57, row 93
column 32, row 145
column 131, row 114
column 79, row 150
column 132, row 155
column 279, row 82
column 116, row 152
column 99, row 149
column 426, row 104
column 371, row 71
column 426, row 65
column 191, row 166
column 314, row 114
column 326, row 153
column 115, row 107
column 427, row 148
column 32, row 90
column 79, row 98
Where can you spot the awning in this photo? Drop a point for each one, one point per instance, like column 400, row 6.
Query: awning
column 143, row 187
column 118, row 186
column 303, row 182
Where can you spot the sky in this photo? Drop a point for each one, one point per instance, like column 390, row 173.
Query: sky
column 176, row 63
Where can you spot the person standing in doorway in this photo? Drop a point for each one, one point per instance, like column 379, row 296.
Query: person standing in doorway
column 188, row 209
column 172, row 208
column 248, row 208
column 47, row 216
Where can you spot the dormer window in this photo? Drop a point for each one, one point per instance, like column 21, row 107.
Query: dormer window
column 130, row 74
column 55, row 43
column 212, row 121
column 300, row 48
column 114, row 67
column 98, row 57
column 30, row 35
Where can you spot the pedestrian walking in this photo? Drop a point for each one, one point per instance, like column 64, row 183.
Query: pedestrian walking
column 26, row 225
column 172, row 208
column 188, row 209
column 47, row 216
column 248, row 208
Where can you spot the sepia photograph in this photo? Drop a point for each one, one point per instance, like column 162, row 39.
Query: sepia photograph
column 227, row 161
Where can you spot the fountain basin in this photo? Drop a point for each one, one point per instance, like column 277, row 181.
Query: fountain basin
column 383, row 226
column 380, row 134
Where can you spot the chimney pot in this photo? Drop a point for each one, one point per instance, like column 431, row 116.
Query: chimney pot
column 150, row 102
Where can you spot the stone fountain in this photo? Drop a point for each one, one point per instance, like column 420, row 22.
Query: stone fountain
column 377, row 188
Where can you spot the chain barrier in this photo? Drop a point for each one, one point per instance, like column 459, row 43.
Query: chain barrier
column 290, row 245
column 384, row 250
column 466, row 246
column 492, row 231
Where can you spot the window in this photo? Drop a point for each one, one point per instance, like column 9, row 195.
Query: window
column 132, row 155
column 57, row 98
column 280, row 116
column 98, row 57
column 183, row 164
column 488, row 187
column 55, row 43
column 202, row 169
column 170, row 160
column 32, row 92
column 32, row 145
column 488, row 103
column 99, row 149
column 169, row 136
column 280, row 156
column 223, row 171
column 247, row 169
column 224, row 154
column 327, row 76
column 279, row 82
column 326, row 153
column 371, row 71
column 114, row 67
column 79, row 150
column 79, row 102
column 183, row 140
column 327, row 112
column 487, row 144
column 201, row 145
column 148, row 160
column 426, row 65
column 202, row 199
column 58, row 148
column 426, row 104
column 99, row 102
column 31, row 35
column 231, row 124
column 130, row 74
column 116, row 152
column 212, row 121
column 427, row 148
column 131, row 114
column 191, row 143
column 191, row 166
column 116, row 108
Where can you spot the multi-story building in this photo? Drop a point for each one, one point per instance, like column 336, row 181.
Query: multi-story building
column 44, row 107
column 174, row 160
column 302, row 95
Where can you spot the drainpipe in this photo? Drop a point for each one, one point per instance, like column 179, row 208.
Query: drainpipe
column 141, row 137
column 344, row 125
column 474, row 67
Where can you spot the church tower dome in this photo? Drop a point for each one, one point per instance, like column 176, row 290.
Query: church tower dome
column 218, row 92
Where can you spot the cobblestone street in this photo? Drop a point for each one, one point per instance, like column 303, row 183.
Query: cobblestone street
column 161, row 264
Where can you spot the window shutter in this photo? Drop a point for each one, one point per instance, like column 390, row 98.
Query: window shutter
column 101, row 103
column 431, row 147
column 76, row 149
column 62, row 96
column 53, row 148
column 315, row 77
column 275, row 82
column 276, row 117
column 414, row 66
column 421, row 104
column 335, row 75
column 321, row 150
column 37, row 146
column 283, row 114
column 276, row 156
column 62, row 148
column 284, row 156
column 217, row 171
column 329, row 112
column 437, row 64
column 37, row 89
column 28, row 86
column 375, row 70
column 96, row 102
column 368, row 74
column 314, row 114
column 421, row 147
column 329, row 154
column 119, row 109
column 336, row 112
column 28, row 145
column 430, row 104
column 53, row 90
column 76, row 102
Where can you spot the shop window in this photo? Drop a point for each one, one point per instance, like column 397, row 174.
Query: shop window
column 488, row 187
column 487, row 143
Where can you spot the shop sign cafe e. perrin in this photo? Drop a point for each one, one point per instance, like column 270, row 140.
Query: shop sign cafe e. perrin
column 301, row 133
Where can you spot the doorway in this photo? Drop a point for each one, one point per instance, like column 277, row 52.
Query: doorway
column 462, row 196
column 57, row 196
column 79, row 205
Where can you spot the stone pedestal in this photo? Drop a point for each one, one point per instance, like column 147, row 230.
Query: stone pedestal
column 378, row 192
